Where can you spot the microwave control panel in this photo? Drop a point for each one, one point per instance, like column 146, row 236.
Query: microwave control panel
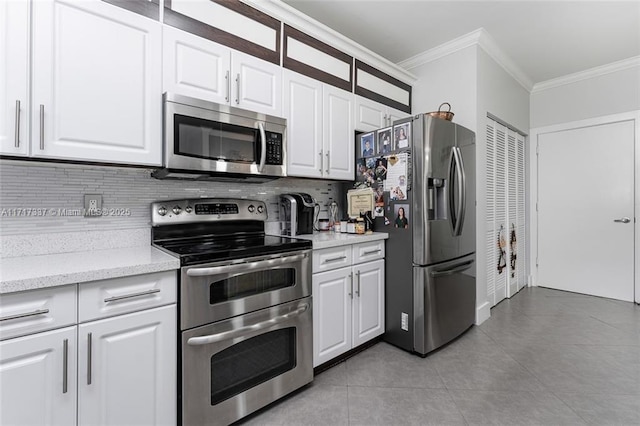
column 274, row 148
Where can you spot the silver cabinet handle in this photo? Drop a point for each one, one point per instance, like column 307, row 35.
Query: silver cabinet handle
column 334, row 259
column 622, row 220
column 65, row 365
column 238, row 88
column 25, row 315
column 320, row 169
column 41, row 127
column 371, row 252
column 17, row 140
column 232, row 334
column 328, row 159
column 89, row 358
column 228, row 84
column 351, row 285
column 129, row 296
column 358, row 287
column 203, row 272
column 263, row 140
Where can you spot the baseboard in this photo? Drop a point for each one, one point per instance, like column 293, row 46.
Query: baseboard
column 483, row 313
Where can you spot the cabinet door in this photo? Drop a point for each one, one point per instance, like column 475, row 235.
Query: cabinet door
column 370, row 115
column 368, row 302
column 97, row 88
column 256, row 84
column 194, row 66
column 395, row 114
column 302, row 107
column 38, row 379
column 332, row 296
column 127, row 369
column 338, row 133
column 14, row 74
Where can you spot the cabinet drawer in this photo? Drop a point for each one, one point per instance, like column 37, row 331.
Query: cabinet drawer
column 364, row 252
column 331, row 258
column 38, row 310
column 100, row 299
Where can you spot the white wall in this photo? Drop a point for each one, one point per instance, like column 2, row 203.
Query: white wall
column 449, row 79
column 612, row 93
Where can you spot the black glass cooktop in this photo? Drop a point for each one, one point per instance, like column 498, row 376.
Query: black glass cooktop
column 197, row 250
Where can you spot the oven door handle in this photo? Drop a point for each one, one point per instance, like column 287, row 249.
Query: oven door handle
column 239, row 267
column 238, row 332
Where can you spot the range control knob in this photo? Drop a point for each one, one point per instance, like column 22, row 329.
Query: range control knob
column 260, row 209
column 188, row 209
column 252, row 208
column 162, row 211
column 176, row 210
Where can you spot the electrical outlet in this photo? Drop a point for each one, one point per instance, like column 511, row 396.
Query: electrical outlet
column 404, row 321
column 92, row 205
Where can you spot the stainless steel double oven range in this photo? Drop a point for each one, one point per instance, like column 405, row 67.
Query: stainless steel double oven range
column 244, row 307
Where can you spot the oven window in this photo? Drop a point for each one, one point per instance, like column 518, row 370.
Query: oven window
column 251, row 283
column 251, row 362
column 196, row 137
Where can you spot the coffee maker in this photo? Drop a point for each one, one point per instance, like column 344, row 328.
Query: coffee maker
column 296, row 211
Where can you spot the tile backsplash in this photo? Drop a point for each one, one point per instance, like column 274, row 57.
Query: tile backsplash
column 53, row 193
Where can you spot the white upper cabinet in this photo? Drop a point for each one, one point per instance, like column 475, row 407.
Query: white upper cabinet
column 338, row 133
column 371, row 115
column 256, row 84
column 319, row 128
column 96, row 83
column 200, row 68
column 302, row 107
column 14, row 77
column 195, row 67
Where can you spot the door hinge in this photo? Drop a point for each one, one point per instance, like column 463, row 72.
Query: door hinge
column 537, row 262
column 536, row 206
column 537, row 148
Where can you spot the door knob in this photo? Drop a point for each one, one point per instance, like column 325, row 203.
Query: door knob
column 623, row 220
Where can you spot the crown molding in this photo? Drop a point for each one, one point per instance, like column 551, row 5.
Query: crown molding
column 587, row 74
column 479, row 37
column 316, row 29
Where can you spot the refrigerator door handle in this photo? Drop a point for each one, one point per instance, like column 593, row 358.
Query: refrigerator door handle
column 458, row 268
column 453, row 214
column 462, row 192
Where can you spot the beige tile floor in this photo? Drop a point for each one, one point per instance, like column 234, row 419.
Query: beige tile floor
column 544, row 357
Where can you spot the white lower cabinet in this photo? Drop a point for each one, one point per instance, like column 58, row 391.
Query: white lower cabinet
column 127, row 369
column 116, row 367
column 348, row 302
column 38, row 379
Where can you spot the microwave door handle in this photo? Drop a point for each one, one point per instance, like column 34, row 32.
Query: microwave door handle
column 263, row 151
column 462, row 191
column 239, row 267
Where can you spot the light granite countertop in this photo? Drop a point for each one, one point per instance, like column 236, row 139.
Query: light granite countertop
column 49, row 270
column 329, row 239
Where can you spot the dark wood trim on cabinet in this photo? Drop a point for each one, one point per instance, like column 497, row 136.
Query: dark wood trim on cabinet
column 376, row 96
column 201, row 29
column 311, row 71
column 150, row 9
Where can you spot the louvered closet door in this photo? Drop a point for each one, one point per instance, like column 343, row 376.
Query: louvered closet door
column 505, row 212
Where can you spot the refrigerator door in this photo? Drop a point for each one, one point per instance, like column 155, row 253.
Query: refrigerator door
column 444, row 298
column 438, row 191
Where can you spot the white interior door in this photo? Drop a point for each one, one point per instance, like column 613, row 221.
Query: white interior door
column 585, row 190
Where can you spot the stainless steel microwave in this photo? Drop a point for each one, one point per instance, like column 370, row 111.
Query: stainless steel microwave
column 206, row 140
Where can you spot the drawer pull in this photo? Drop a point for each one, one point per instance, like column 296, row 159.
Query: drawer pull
column 371, row 252
column 129, row 296
column 334, row 259
column 29, row 314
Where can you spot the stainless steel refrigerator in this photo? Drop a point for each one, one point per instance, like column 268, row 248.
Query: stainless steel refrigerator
column 430, row 261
